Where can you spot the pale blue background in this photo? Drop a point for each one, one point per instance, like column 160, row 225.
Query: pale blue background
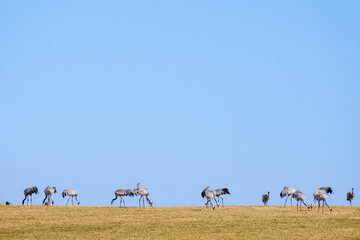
column 179, row 95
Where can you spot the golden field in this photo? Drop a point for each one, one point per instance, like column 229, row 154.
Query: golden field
column 248, row 222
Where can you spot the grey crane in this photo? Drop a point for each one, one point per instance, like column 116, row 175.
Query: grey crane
column 49, row 191
column 122, row 193
column 265, row 198
column 287, row 192
column 221, row 191
column 321, row 195
column 209, row 194
column 28, row 194
column 350, row 196
column 299, row 196
column 71, row 193
column 143, row 192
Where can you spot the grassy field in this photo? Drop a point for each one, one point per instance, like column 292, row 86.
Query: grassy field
column 59, row 222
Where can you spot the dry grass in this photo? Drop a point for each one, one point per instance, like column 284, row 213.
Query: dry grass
column 58, row 222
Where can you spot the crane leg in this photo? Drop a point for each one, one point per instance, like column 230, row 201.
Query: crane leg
column 286, row 200
column 328, row 206
column 212, row 204
column 297, row 206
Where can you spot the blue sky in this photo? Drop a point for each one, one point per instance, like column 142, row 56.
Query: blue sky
column 248, row 95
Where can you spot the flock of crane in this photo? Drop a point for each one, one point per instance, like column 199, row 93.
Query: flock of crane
column 49, row 192
column 320, row 194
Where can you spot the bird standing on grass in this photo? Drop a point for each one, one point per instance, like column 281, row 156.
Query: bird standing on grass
column 287, row 191
column 209, row 194
column 321, row 195
column 122, row 193
column 71, row 193
column 299, row 196
column 143, row 192
column 220, row 192
column 28, row 194
column 49, row 191
column 350, row 196
column 265, row 198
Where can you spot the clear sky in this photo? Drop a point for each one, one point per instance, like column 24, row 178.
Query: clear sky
column 179, row 95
